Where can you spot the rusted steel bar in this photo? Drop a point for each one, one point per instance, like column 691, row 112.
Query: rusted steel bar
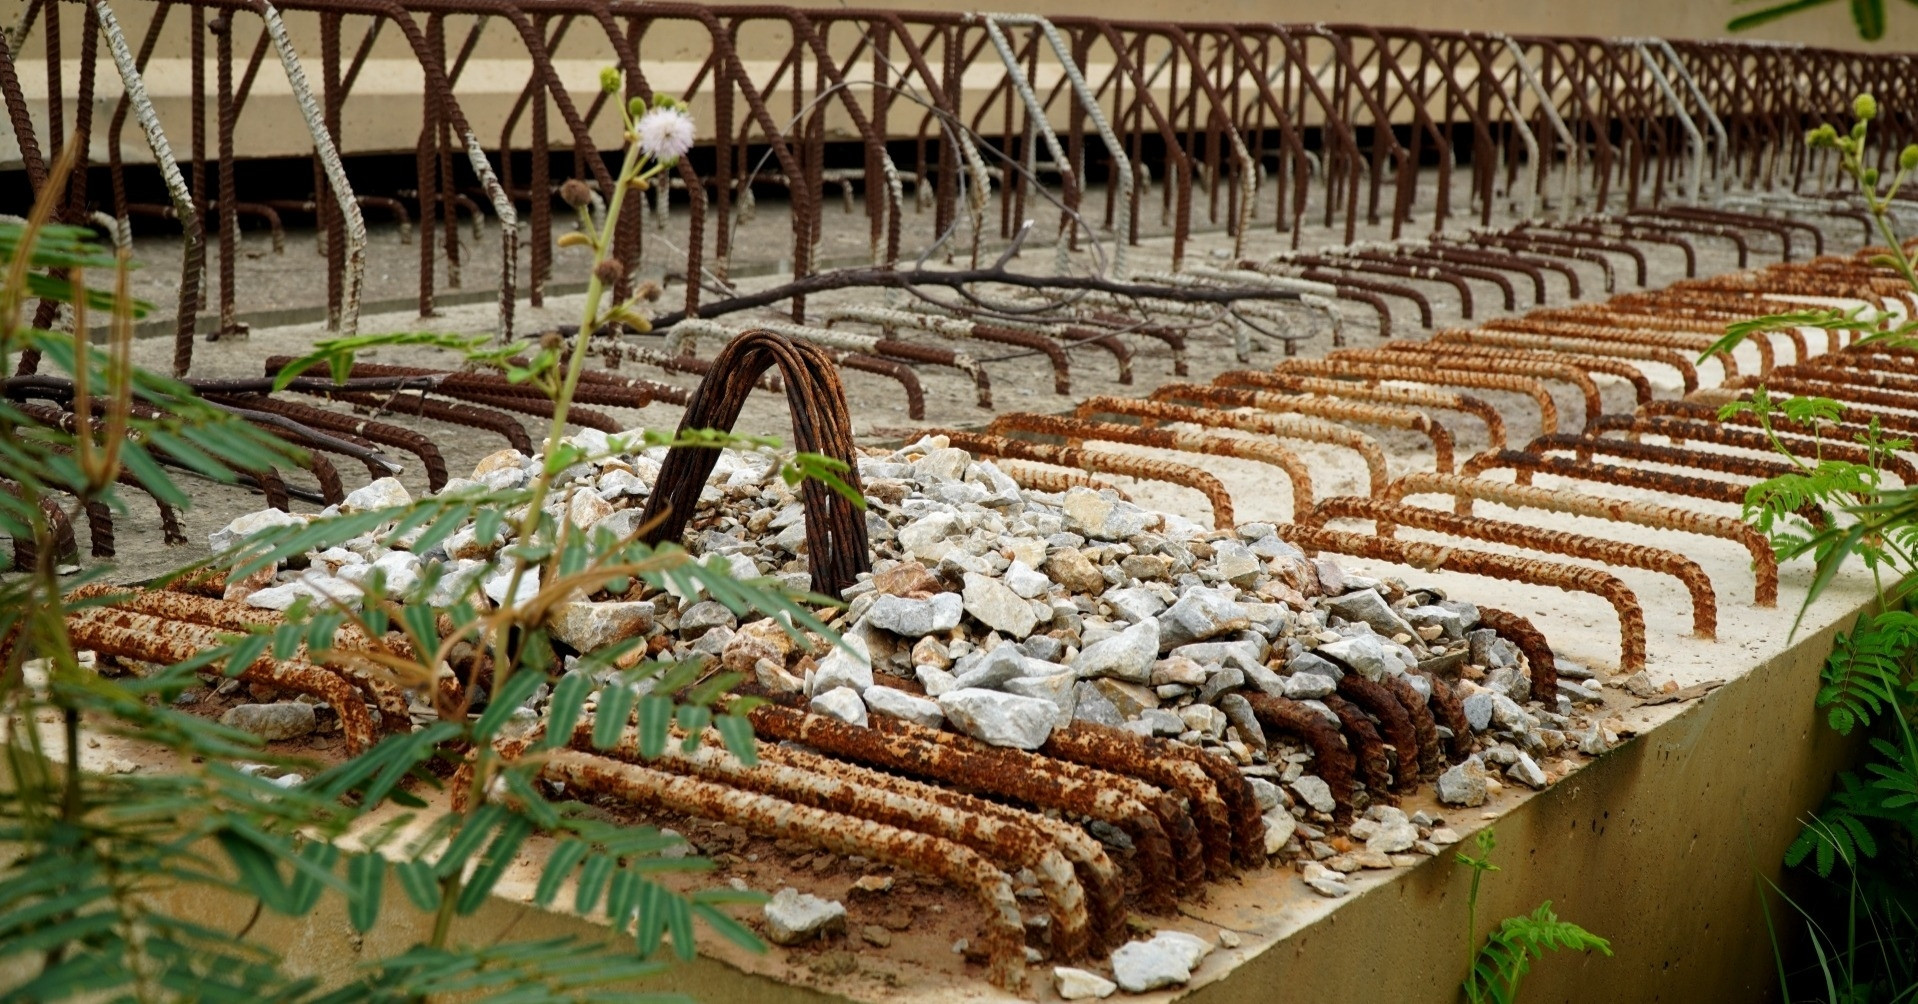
column 1417, row 397
column 1282, row 426
column 1759, row 468
column 1174, row 814
column 1395, row 726
column 836, row 542
column 1390, row 515
column 990, row 834
column 1621, row 330
column 1584, row 349
column 1076, row 432
column 132, row 635
column 1681, row 430
column 1449, row 711
column 1528, row 464
column 1531, row 642
column 1466, row 489
column 1492, row 361
column 1097, row 875
column 844, row 834
column 238, row 618
column 1431, row 757
column 1333, row 762
column 1026, row 779
column 1506, row 356
column 1054, row 480
column 1349, row 370
column 1319, row 407
column 1368, row 747
column 1219, row 811
column 378, row 432
column 505, row 425
column 1100, row 461
column 1431, row 557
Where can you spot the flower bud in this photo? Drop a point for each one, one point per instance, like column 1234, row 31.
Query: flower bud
column 648, row 291
column 1908, row 158
column 609, row 80
column 609, row 271
column 637, row 107
column 1865, row 107
column 1869, row 177
column 552, row 341
column 575, row 193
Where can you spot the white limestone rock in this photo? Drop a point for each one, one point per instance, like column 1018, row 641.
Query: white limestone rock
column 1000, row 719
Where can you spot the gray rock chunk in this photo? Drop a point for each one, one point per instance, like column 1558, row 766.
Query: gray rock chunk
column 997, row 606
column 1448, row 621
column 842, row 668
column 248, row 525
column 1368, row 607
column 589, row 626
column 1000, row 719
column 1240, row 654
column 1238, row 712
column 1267, row 795
column 1135, row 603
column 1363, row 654
column 1266, row 681
column 916, row 618
column 1313, row 791
column 272, row 722
column 1463, row 784
column 1089, row 513
column 385, row 493
column 794, row 917
column 1236, row 563
column 1058, row 688
column 1199, row 614
column 1309, row 686
column 1219, row 681
column 1162, row 722
column 994, row 668
column 1478, row 710
column 1090, row 704
column 1023, row 580
column 1393, row 837
column 1526, row 772
column 1127, row 655
column 842, row 703
column 1078, row 984
column 894, row 703
column 1139, row 966
column 1506, row 714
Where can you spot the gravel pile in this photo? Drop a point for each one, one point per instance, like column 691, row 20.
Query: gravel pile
column 1005, row 613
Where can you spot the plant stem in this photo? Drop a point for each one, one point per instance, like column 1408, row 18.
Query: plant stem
column 503, row 666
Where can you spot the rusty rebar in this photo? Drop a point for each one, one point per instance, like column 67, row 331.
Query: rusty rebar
column 1431, row 557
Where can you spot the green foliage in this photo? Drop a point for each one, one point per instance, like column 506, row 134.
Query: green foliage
column 1870, row 680
column 1866, row 674
column 98, row 864
column 1509, row 950
column 1868, row 16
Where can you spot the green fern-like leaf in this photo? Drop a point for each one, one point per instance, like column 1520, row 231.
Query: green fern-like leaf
column 1865, row 673
column 1509, row 951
